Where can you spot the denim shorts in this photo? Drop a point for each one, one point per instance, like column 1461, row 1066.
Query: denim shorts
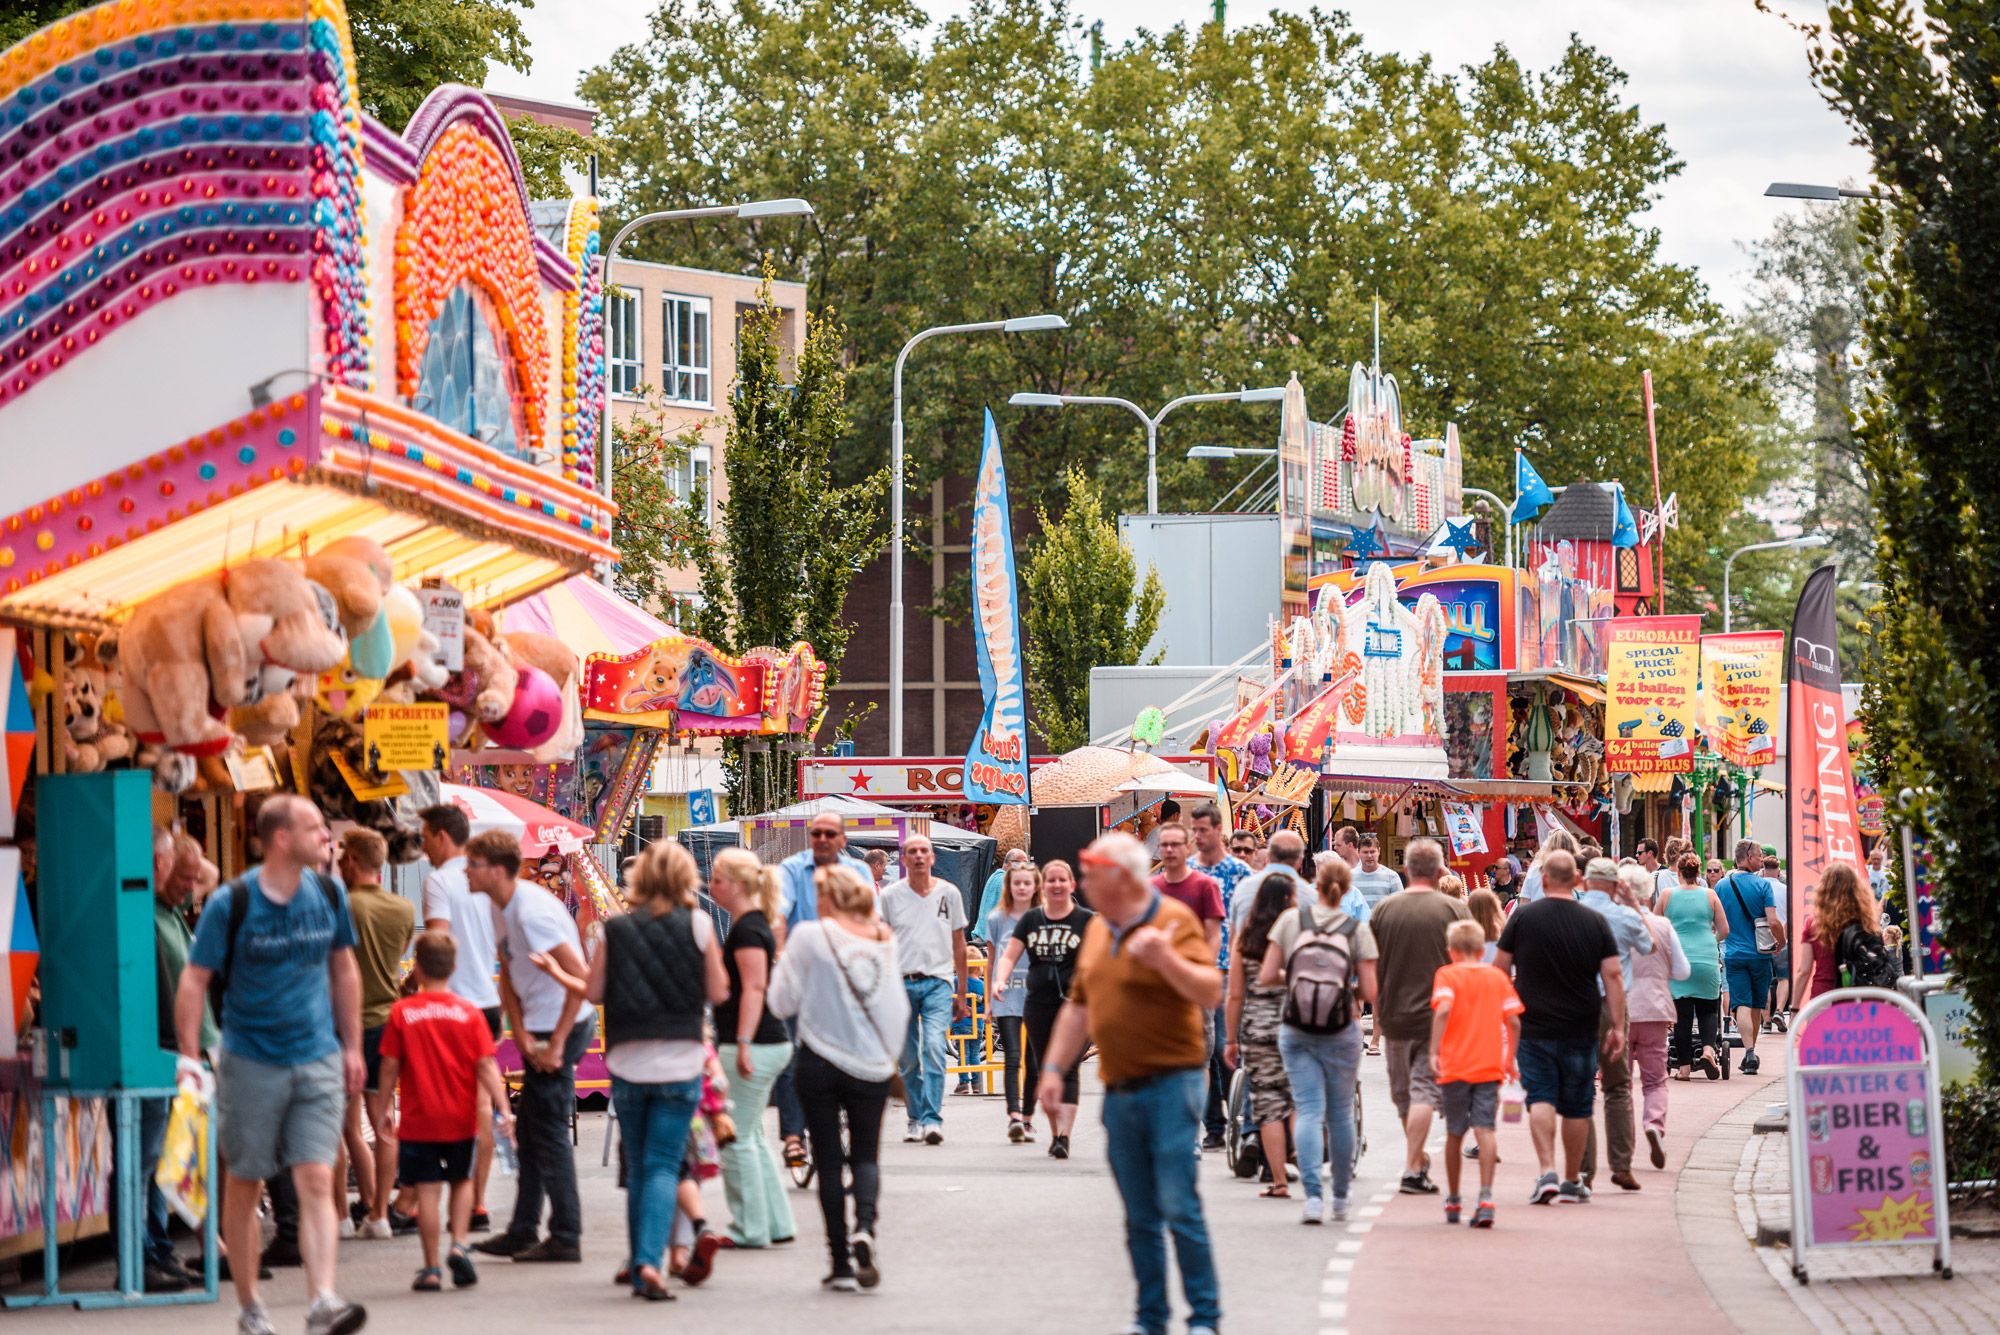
column 1748, row 981
column 1560, row 1071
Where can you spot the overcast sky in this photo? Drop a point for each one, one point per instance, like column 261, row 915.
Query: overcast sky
column 1729, row 82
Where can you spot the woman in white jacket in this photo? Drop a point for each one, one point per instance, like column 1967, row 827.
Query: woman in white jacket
column 840, row 977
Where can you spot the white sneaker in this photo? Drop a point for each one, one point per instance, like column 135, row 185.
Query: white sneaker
column 347, row 1230
column 1313, row 1212
column 252, row 1320
column 332, row 1314
column 377, row 1230
column 1340, row 1209
column 913, row 1134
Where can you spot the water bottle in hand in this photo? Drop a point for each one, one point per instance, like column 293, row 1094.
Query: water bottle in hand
column 504, row 1157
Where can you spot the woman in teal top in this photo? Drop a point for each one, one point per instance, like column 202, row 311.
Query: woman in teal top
column 1700, row 923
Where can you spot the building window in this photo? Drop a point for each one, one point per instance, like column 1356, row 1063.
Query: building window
column 622, row 322
column 685, row 362
column 465, row 382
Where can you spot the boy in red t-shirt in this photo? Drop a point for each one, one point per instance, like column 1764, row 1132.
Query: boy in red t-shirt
column 439, row 1045
column 1475, row 1031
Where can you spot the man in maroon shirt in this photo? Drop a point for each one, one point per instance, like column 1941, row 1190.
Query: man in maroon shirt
column 1178, row 880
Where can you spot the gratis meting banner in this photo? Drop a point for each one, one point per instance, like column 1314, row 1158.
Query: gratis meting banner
column 996, row 768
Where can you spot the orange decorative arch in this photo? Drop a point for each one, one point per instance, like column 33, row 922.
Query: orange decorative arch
column 462, row 220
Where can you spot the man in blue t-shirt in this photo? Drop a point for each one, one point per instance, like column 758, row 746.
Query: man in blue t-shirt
column 291, row 1048
column 1746, row 971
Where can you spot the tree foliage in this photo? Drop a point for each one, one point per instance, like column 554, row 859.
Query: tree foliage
column 791, row 540
column 1809, row 302
column 1085, row 608
column 1926, row 102
column 656, row 529
column 1209, row 210
column 405, row 48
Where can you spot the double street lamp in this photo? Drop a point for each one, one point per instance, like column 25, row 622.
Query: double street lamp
column 1026, row 324
column 762, row 208
column 1795, row 544
column 1153, row 422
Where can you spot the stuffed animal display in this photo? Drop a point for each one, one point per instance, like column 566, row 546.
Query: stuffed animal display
column 203, row 647
column 331, row 793
column 92, row 737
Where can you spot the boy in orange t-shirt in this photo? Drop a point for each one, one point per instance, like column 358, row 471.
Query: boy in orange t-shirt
column 1475, row 1030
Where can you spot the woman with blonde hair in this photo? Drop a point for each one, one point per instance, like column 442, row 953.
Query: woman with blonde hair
column 1557, row 839
column 1843, row 900
column 1021, row 892
column 840, row 977
column 1484, row 906
column 753, row 1045
column 659, row 967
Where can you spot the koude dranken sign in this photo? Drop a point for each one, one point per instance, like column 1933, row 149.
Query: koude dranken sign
column 1867, row 1146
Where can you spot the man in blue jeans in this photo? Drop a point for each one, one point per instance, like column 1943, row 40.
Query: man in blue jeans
column 1558, row 951
column 1144, row 977
column 1746, row 970
column 928, row 917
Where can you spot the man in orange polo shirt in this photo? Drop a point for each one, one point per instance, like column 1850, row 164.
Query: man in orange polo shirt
column 1144, row 978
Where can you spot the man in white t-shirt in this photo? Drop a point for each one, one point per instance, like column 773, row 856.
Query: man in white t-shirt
column 451, row 907
column 1648, row 854
column 552, row 1028
column 928, row 917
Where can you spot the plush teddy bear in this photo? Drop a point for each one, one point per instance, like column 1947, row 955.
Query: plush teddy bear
column 359, row 575
column 194, row 651
column 565, row 669
column 93, row 736
column 423, row 673
column 482, row 691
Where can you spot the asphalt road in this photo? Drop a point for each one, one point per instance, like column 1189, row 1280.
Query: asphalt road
column 976, row 1230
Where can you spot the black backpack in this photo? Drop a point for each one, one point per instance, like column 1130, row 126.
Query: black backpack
column 239, row 909
column 1864, row 957
column 1319, row 975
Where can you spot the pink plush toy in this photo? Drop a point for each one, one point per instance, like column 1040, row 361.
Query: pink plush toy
column 536, row 713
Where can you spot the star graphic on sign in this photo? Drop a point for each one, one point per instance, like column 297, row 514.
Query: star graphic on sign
column 1363, row 544
column 1893, row 1220
column 861, row 781
column 1460, row 538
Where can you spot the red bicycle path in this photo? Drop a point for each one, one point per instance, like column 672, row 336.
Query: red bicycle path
column 1617, row 1264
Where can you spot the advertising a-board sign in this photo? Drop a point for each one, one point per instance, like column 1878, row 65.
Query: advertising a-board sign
column 1866, row 1139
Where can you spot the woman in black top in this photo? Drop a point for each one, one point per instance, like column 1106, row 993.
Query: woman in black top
column 1050, row 936
column 753, row 1045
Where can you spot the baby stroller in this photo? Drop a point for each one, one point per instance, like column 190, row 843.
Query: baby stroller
column 1243, row 1149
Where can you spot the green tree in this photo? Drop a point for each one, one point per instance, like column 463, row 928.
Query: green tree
column 403, row 49
column 1209, row 210
column 655, row 530
column 791, row 540
column 1810, row 300
column 24, row 18
column 1925, row 100
column 1085, row 608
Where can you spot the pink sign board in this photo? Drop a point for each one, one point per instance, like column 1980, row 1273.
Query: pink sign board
column 1863, row 1085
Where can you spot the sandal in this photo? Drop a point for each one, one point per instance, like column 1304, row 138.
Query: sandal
column 1277, row 1191
column 429, row 1280
column 652, row 1290
column 795, row 1152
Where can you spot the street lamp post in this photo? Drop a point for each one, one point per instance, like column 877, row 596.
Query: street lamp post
column 762, row 208
column 1506, row 514
column 1025, row 324
column 1793, row 190
column 1230, row 452
column 1796, row 544
column 1152, row 423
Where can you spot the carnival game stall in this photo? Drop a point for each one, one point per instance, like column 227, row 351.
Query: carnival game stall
column 356, row 395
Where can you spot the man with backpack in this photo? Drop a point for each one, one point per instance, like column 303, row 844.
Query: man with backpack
column 1324, row 957
column 1409, row 928
column 1756, row 935
column 279, row 943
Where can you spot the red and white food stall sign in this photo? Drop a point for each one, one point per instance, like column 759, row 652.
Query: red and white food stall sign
column 887, row 779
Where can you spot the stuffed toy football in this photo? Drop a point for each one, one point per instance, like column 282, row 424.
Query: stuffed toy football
column 536, row 715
